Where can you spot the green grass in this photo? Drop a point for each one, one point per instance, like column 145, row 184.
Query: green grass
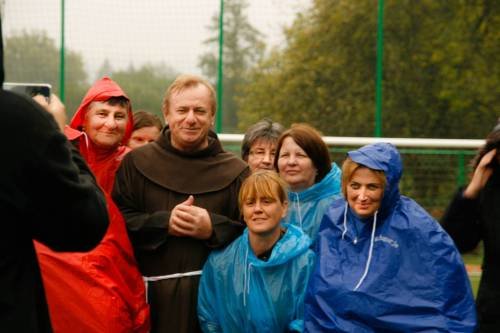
column 474, row 280
column 474, row 258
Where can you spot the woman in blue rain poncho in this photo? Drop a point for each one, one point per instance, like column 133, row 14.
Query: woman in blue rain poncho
column 384, row 264
column 257, row 284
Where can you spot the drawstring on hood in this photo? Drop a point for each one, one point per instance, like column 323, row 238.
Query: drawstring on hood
column 297, row 205
column 345, row 219
column 292, row 244
column 246, row 279
column 370, row 251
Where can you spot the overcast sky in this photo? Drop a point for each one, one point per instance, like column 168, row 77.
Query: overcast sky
column 134, row 32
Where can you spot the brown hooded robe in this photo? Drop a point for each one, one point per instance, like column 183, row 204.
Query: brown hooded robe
column 151, row 181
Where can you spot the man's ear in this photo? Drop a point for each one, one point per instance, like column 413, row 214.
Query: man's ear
column 165, row 113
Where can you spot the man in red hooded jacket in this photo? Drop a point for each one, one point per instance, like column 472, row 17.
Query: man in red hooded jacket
column 102, row 290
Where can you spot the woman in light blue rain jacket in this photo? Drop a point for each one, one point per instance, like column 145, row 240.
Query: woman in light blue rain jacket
column 243, row 289
column 384, row 264
column 303, row 161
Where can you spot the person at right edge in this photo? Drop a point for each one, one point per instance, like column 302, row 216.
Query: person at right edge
column 47, row 194
column 474, row 215
column 179, row 197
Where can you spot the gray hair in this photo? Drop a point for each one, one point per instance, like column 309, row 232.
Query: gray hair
column 265, row 129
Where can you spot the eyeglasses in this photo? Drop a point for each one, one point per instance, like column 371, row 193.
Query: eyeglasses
column 261, row 153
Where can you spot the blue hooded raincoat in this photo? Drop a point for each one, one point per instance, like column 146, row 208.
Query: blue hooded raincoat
column 240, row 293
column 306, row 208
column 395, row 272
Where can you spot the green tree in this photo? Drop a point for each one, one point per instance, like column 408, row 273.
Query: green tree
column 440, row 70
column 146, row 85
column 34, row 57
column 243, row 48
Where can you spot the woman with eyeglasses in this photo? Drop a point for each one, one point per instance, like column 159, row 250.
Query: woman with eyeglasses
column 258, row 148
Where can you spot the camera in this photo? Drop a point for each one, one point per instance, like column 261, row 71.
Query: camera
column 29, row 89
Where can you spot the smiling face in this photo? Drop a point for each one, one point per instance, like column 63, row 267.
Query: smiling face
column 364, row 192
column 142, row 136
column 263, row 203
column 295, row 166
column 190, row 117
column 105, row 124
column 262, row 214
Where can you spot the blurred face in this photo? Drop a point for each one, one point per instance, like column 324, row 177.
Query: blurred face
column 190, row 117
column 364, row 192
column 261, row 155
column 142, row 136
column 105, row 124
column 263, row 214
column 295, row 167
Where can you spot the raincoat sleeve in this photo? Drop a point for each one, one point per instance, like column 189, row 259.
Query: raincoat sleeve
column 297, row 325
column 461, row 221
column 451, row 289
column 207, row 300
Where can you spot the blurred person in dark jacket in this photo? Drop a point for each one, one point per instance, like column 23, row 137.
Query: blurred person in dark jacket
column 47, row 194
column 473, row 216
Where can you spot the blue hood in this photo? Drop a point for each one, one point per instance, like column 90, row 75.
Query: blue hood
column 384, row 157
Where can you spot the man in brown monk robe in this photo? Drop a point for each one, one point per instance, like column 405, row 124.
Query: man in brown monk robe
column 179, row 198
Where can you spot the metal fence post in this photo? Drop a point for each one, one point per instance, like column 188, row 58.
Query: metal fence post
column 61, row 56
column 220, row 76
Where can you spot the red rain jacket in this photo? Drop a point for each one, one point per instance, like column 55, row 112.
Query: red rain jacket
column 102, row 290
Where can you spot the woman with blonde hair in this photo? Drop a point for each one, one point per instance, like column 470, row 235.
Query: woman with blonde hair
column 257, row 283
column 383, row 263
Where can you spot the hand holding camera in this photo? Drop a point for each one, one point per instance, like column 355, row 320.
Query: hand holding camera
column 40, row 92
column 55, row 107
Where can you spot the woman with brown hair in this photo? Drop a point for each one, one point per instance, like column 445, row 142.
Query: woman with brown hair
column 474, row 215
column 303, row 161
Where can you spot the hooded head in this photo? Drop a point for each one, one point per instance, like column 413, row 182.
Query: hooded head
column 102, row 90
column 386, row 158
